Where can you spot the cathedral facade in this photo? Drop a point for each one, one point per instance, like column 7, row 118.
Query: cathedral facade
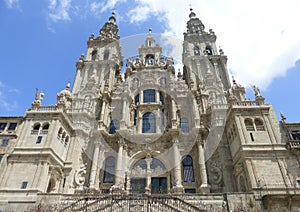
column 141, row 130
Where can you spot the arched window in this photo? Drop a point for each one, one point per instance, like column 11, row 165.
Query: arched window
column 149, row 60
column 249, row 125
column 161, row 98
column 45, row 126
column 114, row 125
column 162, row 117
column 149, row 123
column 196, row 50
column 59, row 134
column 137, row 99
column 109, row 171
column 184, row 125
column 208, row 50
column 149, row 96
column 36, row 126
column 106, row 55
column 259, row 125
column 66, row 140
column 51, row 186
column 141, row 163
column 156, row 163
column 188, row 170
column 94, row 55
column 134, row 117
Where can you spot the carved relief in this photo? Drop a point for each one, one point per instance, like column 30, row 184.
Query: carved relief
column 79, row 177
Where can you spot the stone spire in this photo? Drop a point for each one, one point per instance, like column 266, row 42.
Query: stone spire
column 194, row 25
column 109, row 32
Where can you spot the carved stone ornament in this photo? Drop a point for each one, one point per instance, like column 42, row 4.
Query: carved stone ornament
column 79, row 177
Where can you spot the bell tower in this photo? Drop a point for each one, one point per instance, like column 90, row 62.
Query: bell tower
column 99, row 70
column 201, row 56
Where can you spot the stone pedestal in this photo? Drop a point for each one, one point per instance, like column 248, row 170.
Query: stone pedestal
column 204, row 188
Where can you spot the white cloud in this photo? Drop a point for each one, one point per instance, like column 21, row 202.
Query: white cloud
column 12, row 3
column 59, row 10
column 5, row 104
column 100, row 6
column 261, row 38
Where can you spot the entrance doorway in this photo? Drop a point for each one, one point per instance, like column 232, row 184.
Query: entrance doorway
column 138, row 185
column 158, row 185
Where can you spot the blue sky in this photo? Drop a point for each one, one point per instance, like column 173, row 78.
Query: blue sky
column 42, row 40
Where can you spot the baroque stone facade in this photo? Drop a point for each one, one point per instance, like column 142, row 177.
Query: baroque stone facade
column 184, row 141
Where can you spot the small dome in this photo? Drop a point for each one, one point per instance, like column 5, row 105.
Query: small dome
column 192, row 14
column 66, row 92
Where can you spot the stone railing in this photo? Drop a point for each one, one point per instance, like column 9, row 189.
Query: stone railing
column 132, row 202
column 43, row 108
column 293, row 144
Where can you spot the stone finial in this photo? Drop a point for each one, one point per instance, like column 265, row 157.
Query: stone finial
column 64, row 98
column 179, row 75
column 221, row 51
column 256, row 91
column 192, row 14
column 283, row 118
column 39, row 96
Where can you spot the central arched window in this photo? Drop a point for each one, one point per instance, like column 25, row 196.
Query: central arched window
column 106, row 55
column 137, row 99
column 161, row 98
column 149, row 96
column 94, row 55
column 188, row 170
column 114, row 125
column 184, row 125
column 208, row 50
column 196, row 50
column 149, row 123
column 109, row 171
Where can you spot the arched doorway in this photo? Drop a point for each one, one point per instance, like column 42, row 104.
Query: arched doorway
column 148, row 173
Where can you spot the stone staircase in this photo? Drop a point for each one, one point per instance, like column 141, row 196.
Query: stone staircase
column 132, row 203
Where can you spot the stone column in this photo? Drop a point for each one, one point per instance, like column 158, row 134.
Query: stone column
column 204, row 187
column 99, row 167
column 124, row 114
column 119, row 180
column 102, row 114
column 177, row 187
column 141, row 97
column 157, row 97
column 139, row 120
column 174, row 114
column 94, row 167
column 196, row 112
column 148, row 178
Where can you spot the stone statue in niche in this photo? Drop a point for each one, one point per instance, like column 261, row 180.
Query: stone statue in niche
column 169, row 66
column 135, row 84
column 87, row 103
column 137, row 63
column 129, row 68
column 162, row 62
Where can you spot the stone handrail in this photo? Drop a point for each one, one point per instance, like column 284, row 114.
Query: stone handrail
column 142, row 202
column 293, row 144
column 44, row 108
